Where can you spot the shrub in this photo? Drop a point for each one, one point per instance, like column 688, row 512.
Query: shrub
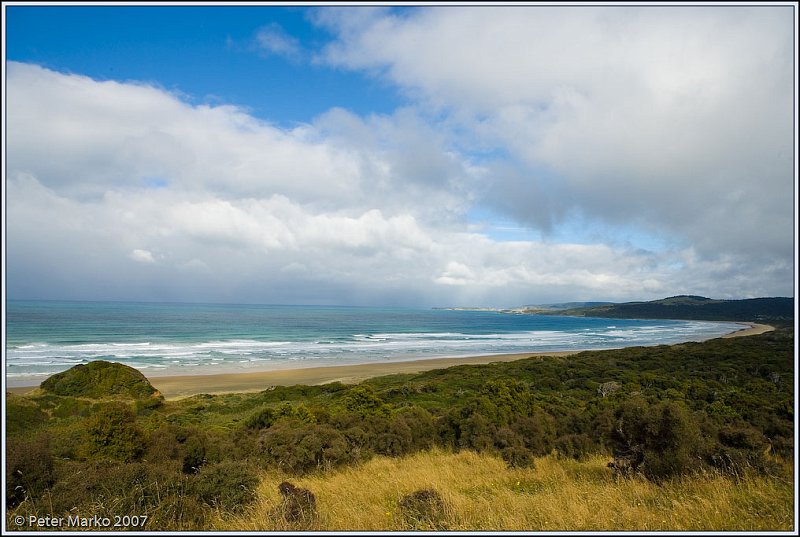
column 423, row 507
column 742, row 436
column 363, row 400
column 113, row 433
column 163, row 444
column 741, row 448
column 147, row 405
column 575, row 446
column 420, row 422
column 299, row 504
column 22, row 414
column 107, row 488
column 304, row 414
column 394, row 443
column 229, row 485
column 517, row 457
column 505, row 438
column 70, row 406
column 29, row 469
column 663, row 436
column 448, row 429
column 538, row 432
column 509, row 398
column 195, row 456
column 477, row 433
column 299, row 448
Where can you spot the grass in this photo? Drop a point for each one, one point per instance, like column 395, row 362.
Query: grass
column 481, row 493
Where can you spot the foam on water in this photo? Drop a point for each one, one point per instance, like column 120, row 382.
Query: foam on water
column 45, row 338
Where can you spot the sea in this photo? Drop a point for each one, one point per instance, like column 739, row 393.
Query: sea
column 47, row 337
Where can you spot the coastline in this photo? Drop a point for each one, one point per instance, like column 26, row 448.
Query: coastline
column 181, row 386
column 753, row 330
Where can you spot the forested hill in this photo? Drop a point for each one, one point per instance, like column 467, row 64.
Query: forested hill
column 779, row 311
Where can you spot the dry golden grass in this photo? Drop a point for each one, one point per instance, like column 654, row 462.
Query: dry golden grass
column 481, row 493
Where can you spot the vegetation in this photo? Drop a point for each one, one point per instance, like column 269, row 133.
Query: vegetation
column 479, row 492
column 100, row 379
column 777, row 311
column 637, row 438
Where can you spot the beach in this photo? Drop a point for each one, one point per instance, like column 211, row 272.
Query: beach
column 751, row 329
column 179, row 386
column 175, row 387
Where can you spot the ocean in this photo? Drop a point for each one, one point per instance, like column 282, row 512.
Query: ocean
column 46, row 337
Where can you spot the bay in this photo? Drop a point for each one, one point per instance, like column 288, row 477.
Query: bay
column 46, row 337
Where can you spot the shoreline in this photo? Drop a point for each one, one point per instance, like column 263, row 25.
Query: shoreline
column 753, row 329
column 180, row 386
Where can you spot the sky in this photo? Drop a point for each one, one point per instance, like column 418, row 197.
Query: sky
column 399, row 156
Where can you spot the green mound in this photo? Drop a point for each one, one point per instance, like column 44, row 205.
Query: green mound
column 100, row 379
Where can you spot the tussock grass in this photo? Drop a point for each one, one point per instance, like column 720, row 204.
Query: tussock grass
column 481, row 493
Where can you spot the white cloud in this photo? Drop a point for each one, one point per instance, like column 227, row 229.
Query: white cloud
column 217, row 205
column 678, row 119
column 273, row 39
column 142, row 256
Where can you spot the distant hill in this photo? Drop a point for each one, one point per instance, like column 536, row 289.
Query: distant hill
column 779, row 310
column 565, row 305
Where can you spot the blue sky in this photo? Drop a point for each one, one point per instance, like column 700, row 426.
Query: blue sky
column 413, row 156
column 211, row 54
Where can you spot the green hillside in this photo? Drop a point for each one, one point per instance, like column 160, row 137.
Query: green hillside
column 778, row 311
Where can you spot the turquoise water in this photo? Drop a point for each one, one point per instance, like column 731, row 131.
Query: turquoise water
column 46, row 337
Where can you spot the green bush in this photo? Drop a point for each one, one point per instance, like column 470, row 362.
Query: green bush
column 421, row 425
column 112, row 433
column 195, row 455
column 477, row 432
column 741, row 448
column 147, row 405
column 665, row 434
column 107, row 488
column 68, row 407
column 575, row 446
column 538, row 432
column 363, row 401
column 163, row 444
column 395, row 440
column 29, row 469
column 508, row 399
column 299, row 448
column 517, row 457
column 229, row 485
column 22, row 414
column 506, row 438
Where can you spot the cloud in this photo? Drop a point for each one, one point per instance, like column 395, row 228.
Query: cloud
column 676, row 119
column 216, row 205
column 142, row 256
column 273, row 40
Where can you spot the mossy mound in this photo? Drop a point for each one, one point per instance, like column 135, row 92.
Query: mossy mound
column 100, row 379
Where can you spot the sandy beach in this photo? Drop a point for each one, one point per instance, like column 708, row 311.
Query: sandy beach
column 751, row 329
column 179, row 386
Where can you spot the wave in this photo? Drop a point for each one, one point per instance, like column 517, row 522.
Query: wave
column 39, row 358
